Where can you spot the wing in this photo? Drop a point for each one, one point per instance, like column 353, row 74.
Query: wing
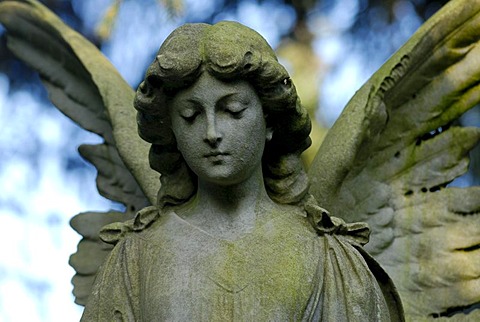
column 389, row 157
column 84, row 85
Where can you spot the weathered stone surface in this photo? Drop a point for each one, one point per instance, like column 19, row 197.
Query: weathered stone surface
column 389, row 157
column 220, row 242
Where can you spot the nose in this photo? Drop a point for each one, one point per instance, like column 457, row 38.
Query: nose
column 212, row 136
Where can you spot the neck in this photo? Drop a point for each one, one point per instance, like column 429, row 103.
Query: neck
column 228, row 211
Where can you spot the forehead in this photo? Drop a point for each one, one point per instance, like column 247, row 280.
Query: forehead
column 208, row 88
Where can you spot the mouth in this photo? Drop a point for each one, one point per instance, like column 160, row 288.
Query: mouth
column 215, row 154
column 216, row 157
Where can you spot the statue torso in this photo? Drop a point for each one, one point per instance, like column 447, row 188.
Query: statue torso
column 268, row 274
column 282, row 270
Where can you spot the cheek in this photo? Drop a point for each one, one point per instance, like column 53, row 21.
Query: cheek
column 251, row 137
column 186, row 144
column 255, row 129
column 182, row 138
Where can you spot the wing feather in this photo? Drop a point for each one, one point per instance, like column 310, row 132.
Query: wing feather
column 91, row 251
column 113, row 181
column 87, row 88
column 82, row 83
column 394, row 149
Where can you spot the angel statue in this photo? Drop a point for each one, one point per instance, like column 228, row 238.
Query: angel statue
column 235, row 229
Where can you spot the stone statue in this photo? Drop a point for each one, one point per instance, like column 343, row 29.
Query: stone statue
column 227, row 130
column 234, row 231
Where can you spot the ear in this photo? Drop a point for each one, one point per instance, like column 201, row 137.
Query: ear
column 269, row 134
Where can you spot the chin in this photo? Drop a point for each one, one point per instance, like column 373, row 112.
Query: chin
column 222, row 180
column 221, row 177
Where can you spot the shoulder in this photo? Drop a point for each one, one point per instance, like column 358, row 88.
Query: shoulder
column 119, row 231
column 346, row 263
column 291, row 220
column 366, row 290
column 389, row 291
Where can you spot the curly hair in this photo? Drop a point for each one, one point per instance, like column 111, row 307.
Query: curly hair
column 227, row 51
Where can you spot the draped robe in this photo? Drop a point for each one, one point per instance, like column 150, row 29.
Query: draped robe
column 284, row 270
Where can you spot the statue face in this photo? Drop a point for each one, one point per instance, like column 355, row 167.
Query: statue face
column 220, row 129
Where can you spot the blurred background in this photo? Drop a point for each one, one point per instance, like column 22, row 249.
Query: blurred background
column 330, row 47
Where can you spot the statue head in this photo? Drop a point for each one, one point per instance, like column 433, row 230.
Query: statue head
column 230, row 53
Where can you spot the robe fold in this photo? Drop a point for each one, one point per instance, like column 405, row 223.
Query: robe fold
column 282, row 271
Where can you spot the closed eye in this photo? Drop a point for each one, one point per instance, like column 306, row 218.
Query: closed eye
column 235, row 112
column 234, row 104
column 190, row 117
column 189, row 114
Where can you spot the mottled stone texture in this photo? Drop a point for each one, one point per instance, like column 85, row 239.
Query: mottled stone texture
column 391, row 155
column 240, row 236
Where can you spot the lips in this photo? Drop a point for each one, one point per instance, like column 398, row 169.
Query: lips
column 215, row 154
column 216, row 157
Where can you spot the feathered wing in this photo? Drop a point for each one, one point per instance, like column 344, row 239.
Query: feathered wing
column 84, row 85
column 388, row 159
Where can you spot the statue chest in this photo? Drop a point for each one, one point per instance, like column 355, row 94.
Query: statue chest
column 189, row 274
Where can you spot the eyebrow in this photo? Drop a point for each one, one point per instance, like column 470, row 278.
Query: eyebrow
column 227, row 97
column 198, row 102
